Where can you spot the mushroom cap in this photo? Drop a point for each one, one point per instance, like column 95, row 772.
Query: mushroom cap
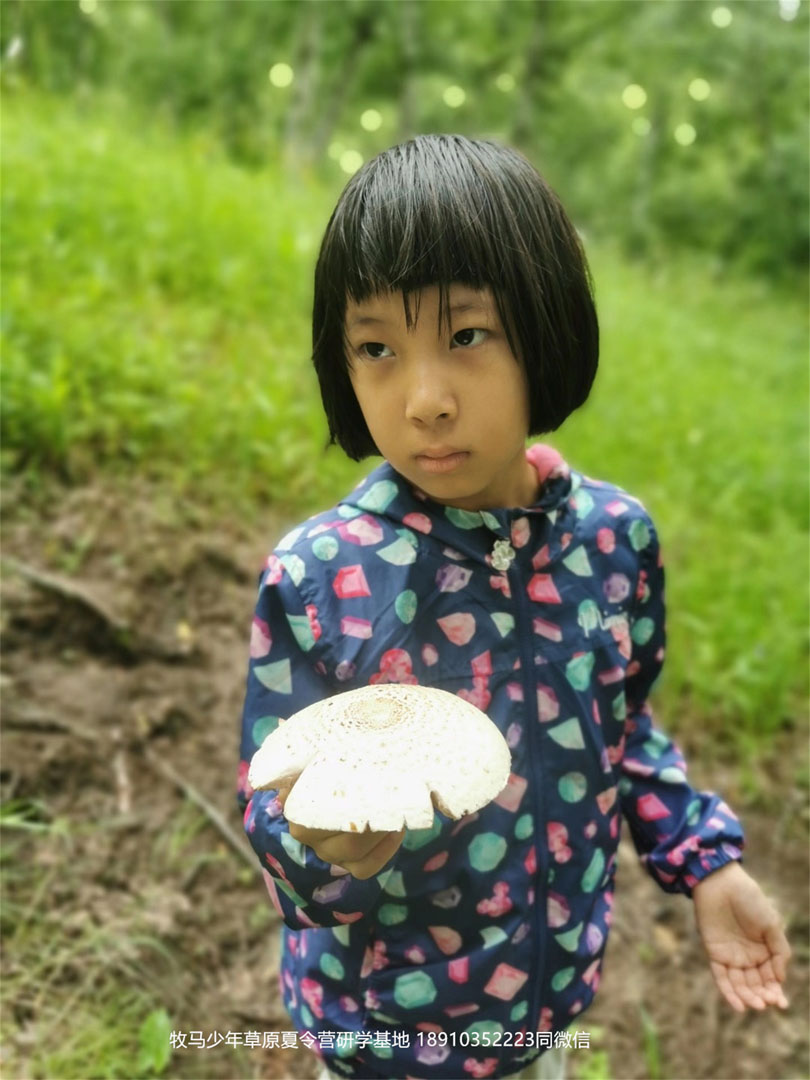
column 381, row 757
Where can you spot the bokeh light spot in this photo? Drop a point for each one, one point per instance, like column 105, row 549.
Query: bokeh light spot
column 88, row 7
column 634, row 96
column 641, row 125
column 371, row 120
column 721, row 17
column 699, row 89
column 685, row 134
column 15, row 48
column 336, row 148
column 281, row 75
column 138, row 16
column 505, row 82
column 454, row 96
column 350, row 161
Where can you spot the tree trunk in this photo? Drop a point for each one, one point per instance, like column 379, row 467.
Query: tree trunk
column 307, row 76
column 409, row 41
column 342, row 84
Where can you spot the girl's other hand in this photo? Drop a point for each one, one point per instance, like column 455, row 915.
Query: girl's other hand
column 362, row 854
column 743, row 937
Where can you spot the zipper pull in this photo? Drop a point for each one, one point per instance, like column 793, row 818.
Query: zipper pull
column 503, row 555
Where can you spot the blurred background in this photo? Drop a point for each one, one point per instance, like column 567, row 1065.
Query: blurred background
column 168, row 168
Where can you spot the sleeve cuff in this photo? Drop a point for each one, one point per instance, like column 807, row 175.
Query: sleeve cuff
column 705, row 862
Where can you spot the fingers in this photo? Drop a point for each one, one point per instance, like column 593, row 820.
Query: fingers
column 312, row 838
column 780, row 998
column 723, row 983
column 739, row 981
column 765, row 987
column 772, row 992
column 780, row 949
column 749, row 988
column 378, row 856
column 362, row 854
column 345, row 848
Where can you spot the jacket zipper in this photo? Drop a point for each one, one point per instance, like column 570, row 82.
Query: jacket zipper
column 526, row 636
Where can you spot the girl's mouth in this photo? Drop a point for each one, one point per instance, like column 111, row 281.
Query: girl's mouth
column 442, row 463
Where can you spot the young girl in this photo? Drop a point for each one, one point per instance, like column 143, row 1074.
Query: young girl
column 453, row 318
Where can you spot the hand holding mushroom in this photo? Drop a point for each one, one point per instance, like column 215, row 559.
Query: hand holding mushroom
column 362, row 854
column 357, row 769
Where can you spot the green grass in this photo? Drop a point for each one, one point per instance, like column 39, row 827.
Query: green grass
column 78, row 993
column 652, row 1046
column 89, row 976
column 591, row 1062
column 700, row 410
column 156, row 303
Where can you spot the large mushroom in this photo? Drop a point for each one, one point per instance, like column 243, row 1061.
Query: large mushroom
column 381, row 758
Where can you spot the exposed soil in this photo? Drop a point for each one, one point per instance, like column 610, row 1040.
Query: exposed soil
column 125, row 616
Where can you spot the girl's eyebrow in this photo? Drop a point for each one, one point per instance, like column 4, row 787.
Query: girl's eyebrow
column 455, row 309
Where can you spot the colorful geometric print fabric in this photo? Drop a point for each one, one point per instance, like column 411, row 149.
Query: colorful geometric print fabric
column 487, row 930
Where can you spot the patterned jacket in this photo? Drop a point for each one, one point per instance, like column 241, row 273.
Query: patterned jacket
column 482, row 936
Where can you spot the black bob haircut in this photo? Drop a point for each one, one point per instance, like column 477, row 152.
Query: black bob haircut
column 445, row 209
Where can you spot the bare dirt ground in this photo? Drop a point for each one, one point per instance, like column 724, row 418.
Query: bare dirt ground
column 124, row 623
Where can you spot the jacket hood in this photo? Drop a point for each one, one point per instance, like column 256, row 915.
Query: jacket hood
column 473, row 533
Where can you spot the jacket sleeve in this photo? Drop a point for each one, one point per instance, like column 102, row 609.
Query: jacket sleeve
column 287, row 672
column 682, row 835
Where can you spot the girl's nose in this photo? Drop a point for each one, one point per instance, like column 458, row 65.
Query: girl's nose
column 429, row 398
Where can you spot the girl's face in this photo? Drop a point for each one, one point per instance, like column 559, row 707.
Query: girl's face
column 449, row 412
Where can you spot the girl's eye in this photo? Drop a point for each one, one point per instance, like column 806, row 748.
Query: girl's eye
column 466, row 334
column 376, row 350
column 372, row 350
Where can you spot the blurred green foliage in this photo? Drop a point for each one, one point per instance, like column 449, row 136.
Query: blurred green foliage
column 154, row 1044
column 720, row 163
column 155, row 307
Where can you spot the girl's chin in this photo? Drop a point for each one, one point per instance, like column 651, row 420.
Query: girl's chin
column 462, row 497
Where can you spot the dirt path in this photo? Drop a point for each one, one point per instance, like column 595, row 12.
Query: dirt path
column 124, row 625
